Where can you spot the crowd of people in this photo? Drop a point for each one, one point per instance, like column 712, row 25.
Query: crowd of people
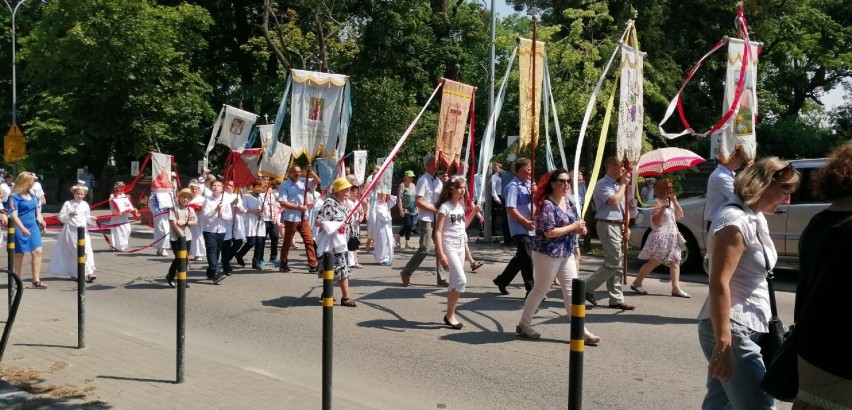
column 222, row 226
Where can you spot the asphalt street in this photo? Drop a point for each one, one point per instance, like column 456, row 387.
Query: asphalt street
column 392, row 351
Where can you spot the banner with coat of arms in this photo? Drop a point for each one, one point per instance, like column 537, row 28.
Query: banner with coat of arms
column 232, row 128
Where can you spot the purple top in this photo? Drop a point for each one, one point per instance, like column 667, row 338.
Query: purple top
column 550, row 216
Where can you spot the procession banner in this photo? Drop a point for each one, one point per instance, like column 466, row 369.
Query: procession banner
column 232, row 128
column 360, row 165
column 739, row 129
column 455, row 107
column 275, row 160
column 528, row 122
column 386, row 181
column 318, row 113
column 630, row 107
column 161, row 175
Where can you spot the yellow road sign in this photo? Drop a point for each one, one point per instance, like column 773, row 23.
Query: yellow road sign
column 14, row 145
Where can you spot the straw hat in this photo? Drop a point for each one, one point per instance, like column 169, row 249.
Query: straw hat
column 340, row 184
column 185, row 192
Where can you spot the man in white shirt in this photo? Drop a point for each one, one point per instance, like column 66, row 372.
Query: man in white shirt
column 426, row 194
column 720, row 186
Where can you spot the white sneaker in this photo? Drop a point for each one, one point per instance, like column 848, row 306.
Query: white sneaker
column 591, row 340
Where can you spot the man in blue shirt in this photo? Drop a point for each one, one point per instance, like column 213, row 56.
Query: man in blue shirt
column 609, row 202
column 291, row 196
column 518, row 196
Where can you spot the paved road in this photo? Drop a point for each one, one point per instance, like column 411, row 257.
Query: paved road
column 255, row 341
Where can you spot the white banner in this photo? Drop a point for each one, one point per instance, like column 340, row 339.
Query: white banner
column 318, row 112
column 265, row 133
column 386, row 182
column 161, row 174
column 630, row 108
column 739, row 130
column 275, row 161
column 360, row 166
column 232, row 128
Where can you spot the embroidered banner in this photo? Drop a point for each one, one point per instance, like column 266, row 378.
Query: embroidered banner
column 360, row 165
column 630, row 108
column 161, row 174
column 319, row 113
column 386, row 181
column 232, row 128
column 739, row 129
column 528, row 122
column 275, row 161
column 455, row 107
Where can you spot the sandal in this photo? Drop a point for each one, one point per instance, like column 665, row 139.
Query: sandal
column 638, row 289
column 476, row 265
column 90, row 278
column 347, row 302
column 39, row 285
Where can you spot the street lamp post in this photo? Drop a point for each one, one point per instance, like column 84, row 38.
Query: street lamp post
column 14, row 11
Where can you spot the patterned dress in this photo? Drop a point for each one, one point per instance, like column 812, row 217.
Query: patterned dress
column 662, row 242
column 334, row 211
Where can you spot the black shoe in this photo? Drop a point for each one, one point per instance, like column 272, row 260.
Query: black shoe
column 210, row 277
column 256, row 266
column 240, row 262
column 284, row 268
column 622, row 306
column 228, row 273
column 313, row 270
column 218, row 278
column 170, row 279
column 456, row 326
column 501, row 288
column 591, row 298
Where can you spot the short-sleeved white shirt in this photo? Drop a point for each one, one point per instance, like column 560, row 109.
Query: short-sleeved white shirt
column 429, row 187
column 748, row 287
column 453, row 220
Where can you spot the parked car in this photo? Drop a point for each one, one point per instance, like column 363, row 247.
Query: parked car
column 785, row 225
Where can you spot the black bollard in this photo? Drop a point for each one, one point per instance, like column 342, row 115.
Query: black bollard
column 180, row 253
column 327, row 326
column 81, row 287
column 15, row 293
column 578, row 344
column 10, row 247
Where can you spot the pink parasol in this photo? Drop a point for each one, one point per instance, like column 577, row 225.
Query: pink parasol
column 665, row 160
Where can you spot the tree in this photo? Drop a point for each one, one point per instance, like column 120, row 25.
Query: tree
column 114, row 80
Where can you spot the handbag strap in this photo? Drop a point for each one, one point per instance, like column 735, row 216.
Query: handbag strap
column 770, row 275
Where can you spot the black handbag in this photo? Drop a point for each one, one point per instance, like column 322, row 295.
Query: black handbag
column 353, row 243
column 778, row 348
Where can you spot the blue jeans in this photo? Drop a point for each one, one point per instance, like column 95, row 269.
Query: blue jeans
column 407, row 225
column 742, row 390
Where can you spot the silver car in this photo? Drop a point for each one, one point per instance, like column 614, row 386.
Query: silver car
column 785, row 225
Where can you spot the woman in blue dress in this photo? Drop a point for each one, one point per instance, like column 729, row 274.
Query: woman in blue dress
column 25, row 213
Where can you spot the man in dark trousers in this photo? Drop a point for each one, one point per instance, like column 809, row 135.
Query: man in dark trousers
column 518, row 197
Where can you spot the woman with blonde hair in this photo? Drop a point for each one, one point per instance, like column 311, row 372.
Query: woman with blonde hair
column 736, row 313
column 25, row 213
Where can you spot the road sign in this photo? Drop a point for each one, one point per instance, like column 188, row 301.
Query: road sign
column 14, row 145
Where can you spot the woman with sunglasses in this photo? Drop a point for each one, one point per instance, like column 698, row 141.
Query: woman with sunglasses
column 736, row 312
column 662, row 245
column 557, row 228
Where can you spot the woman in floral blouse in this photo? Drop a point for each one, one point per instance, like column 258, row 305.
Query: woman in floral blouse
column 333, row 234
column 557, row 227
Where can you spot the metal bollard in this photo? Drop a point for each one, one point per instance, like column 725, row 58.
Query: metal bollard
column 10, row 247
column 15, row 293
column 181, row 306
column 578, row 344
column 81, row 287
column 327, row 326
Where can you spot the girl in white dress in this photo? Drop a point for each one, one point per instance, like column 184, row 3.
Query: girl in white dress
column 119, row 236
column 197, row 251
column 75, row 213
column 382, row 228
column 450, row 238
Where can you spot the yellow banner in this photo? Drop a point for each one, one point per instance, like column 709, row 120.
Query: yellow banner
column 455, row 107
column 529, row 122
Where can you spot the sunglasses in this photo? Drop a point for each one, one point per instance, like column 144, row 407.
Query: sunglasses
column 562, row 181
column 783, row 174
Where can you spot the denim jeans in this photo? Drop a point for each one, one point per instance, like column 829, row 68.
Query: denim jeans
column 742, row 390
column 407, row 226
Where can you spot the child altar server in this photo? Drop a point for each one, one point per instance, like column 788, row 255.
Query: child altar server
column 383, row 228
